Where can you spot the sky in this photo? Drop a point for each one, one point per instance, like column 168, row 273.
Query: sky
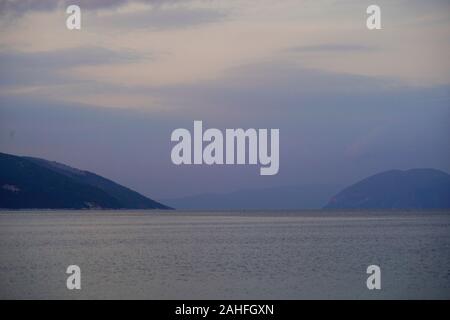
column 349, row 102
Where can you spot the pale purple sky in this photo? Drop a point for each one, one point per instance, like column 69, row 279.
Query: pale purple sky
column 349, row 102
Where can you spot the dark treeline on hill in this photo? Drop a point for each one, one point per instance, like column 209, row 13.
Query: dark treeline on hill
column 396, row 189
column 32, row 183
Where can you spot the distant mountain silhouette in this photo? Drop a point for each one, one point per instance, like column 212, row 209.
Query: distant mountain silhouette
column 395, row 189
column 275, row 198
column 27, row 183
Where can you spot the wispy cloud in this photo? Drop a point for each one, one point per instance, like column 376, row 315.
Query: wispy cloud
column 24, row 68
column 149, row 44
column 334, row 48
column 17, row 7
column 156, row 18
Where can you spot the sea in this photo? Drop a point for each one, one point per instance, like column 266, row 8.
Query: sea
column 224, row 255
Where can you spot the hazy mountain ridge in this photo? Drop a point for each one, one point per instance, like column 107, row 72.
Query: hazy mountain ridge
column 275, row 198
column 27, row 183
column 396, row 189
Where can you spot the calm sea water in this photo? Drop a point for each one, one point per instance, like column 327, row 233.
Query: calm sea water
column 224, row 255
